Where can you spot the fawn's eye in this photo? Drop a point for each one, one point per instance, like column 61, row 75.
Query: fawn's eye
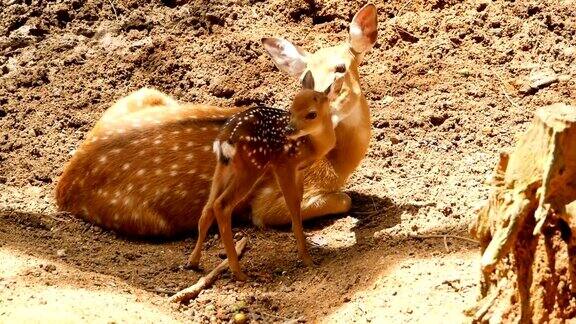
column 311, row 115
column 340, row 68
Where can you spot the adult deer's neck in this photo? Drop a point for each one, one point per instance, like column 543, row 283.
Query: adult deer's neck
column 353, row 131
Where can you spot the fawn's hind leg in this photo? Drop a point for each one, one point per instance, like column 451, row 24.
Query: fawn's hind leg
column 207, row 218
column 290, row 181
column 204, row 224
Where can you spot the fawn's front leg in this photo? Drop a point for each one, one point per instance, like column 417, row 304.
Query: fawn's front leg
column 290, row 181
column 235, row 189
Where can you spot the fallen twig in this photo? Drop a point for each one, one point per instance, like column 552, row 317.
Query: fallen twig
column 504, row 91
column 444, row 236
column 193, row 291
column 113, row 9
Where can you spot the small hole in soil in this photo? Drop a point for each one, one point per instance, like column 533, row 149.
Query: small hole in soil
column 533, row 10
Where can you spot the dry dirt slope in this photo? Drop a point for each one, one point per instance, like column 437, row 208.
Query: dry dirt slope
column 443, row 84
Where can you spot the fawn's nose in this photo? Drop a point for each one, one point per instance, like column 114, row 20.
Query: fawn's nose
column 291, row 128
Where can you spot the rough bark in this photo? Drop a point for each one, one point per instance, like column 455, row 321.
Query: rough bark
column 526, row 227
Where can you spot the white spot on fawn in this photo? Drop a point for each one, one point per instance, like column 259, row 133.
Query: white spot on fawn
column 228, row 150
column 141, row 172
column 126, row 166
column 189, row 156
column 102, row 159
column 157, row 160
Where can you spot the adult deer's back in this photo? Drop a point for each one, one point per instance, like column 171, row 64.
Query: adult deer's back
column 146, row 164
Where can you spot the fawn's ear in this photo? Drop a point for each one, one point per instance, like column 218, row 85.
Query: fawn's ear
column 285, row 55
column 364, row 29
column 334, row 89
column 308, row 81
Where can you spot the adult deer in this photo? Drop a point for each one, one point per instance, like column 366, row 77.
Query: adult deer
column 145, row 167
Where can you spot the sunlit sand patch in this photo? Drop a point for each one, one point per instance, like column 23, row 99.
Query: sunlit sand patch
column 34, row 290
column 338, row 235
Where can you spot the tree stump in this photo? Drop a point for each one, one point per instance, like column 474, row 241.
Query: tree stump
column 526, row 227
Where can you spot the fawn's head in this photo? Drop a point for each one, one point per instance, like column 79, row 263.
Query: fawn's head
column 331, row 63
column 310, row 110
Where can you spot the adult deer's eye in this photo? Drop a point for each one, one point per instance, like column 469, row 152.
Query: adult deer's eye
column 340, row 68
column 311, row 115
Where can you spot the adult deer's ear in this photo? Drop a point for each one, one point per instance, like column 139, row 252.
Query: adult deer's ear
column 364, row 29
column 308, row 81
column 285, row 55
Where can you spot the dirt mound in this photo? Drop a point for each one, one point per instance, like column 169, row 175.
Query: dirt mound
column 449, row 84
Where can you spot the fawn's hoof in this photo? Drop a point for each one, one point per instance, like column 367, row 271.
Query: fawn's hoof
column 192, row 265
column 307, row 260
column 240, row 276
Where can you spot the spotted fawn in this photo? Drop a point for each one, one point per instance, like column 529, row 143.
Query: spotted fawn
column 261, row 139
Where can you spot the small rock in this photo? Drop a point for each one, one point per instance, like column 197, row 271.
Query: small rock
column 543, row 78
column 61, row 253
column 464, row 72
column 50, row 267
column 394, row 139
column 387, row 100
column 240, row 318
